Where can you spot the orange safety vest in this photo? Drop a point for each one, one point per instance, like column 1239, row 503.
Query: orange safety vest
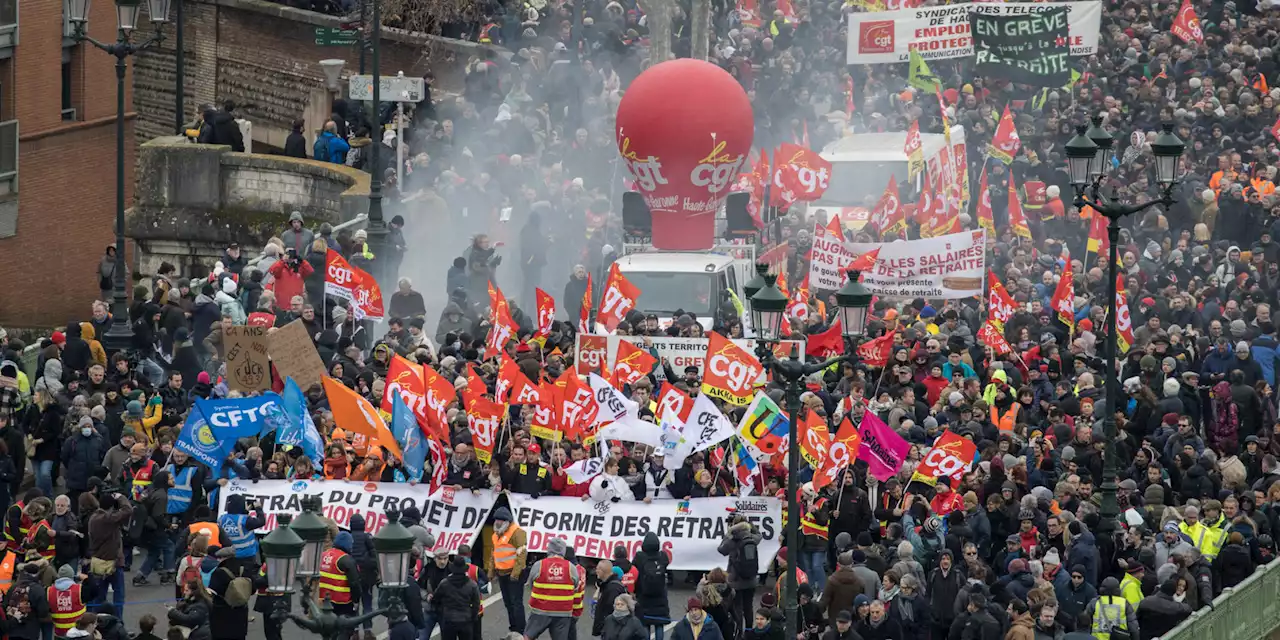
column 629, row 579
column 6, row 570
column 333, row 582
column 208, row 528
column 801, row 578
column 810, row 527
column 142, row 480
column 22, row 529
column 1008, row 420
column 66, row 607
column 505, row 553
column 473, row 572
column 47, row 551
column 555, row 587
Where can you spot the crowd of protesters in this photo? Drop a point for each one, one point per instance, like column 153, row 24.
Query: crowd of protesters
column 1017, row 548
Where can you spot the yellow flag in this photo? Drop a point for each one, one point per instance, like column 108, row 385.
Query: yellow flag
column 921, row 77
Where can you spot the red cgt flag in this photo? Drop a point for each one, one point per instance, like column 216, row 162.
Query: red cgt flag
column 865, row 261
column 584, row 320
column 1005, row 143
column 985, row 219
column 619, row 298
column 826, row 344
column 631, row 363
column 888, row 217
column 1186, row 25
column 546, row 313
column 1064, row 297
column 805, row 173
column 875, row 353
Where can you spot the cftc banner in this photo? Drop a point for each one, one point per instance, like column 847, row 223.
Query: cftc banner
column 453, row 517
column 690, row 530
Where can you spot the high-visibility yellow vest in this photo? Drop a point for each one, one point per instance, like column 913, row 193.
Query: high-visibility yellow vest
column 1109, row 614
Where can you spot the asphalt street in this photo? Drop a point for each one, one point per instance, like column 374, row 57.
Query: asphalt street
column 155, row 598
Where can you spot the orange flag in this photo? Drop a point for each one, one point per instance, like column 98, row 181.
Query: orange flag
column 354, row 414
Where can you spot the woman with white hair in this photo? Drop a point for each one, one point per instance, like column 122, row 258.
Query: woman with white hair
column 623, row 624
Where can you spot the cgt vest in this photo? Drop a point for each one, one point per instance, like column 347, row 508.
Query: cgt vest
column 67, row 607
column 333, row 582
column 240, row 538
column 46, row 551
column 142, row 480
column 554, row 588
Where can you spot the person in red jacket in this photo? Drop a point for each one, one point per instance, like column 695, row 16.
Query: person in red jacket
column 945, row 500
column 290, row 274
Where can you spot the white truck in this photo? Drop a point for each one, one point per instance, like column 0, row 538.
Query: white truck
column 694, row 282
column 861, row 164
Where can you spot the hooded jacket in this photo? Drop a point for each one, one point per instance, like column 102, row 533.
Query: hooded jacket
column 651, row 608
column 731, row 546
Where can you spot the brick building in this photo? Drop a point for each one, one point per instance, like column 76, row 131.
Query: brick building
column 57, row 161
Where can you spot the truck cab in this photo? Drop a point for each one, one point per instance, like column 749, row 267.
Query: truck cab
column 695, row 282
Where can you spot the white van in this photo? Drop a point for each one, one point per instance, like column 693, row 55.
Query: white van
column 694, row 282
column 860, row 168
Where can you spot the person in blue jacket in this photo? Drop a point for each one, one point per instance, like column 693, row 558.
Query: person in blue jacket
column 330, row 146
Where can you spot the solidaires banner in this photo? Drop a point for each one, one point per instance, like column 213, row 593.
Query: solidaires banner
column 690, row 530
column 943, row 32
column 453, row 517
column 1026, row 49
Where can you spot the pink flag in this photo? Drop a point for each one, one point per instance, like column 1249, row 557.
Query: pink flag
column 882, row 448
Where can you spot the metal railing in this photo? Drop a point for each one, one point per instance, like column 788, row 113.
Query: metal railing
column 1246, row 611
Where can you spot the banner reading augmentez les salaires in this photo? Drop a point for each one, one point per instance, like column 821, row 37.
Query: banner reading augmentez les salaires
column 1032, row 48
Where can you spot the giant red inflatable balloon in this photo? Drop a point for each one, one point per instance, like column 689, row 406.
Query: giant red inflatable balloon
column 684, row 132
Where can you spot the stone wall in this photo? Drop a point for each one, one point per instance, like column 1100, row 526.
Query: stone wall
column 264, row 54
column 192, row 200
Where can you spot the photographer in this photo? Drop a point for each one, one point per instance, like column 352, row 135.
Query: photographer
column 290, row 274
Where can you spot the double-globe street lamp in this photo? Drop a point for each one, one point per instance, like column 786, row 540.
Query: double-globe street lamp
column 293, row 553
column 768, row 313
column 120, row 335
column 1088, row 155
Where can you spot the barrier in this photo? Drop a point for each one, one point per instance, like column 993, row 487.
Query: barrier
column 1249, row 610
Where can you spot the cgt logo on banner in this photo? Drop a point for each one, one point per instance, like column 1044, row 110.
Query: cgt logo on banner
column 354, row 285
column 731, row 371
column 454, row 520
column 950, row 456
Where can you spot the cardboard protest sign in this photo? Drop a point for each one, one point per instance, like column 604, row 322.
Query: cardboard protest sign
column 294, row 355
column 248, row 365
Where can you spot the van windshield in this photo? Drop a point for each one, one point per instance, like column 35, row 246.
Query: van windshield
column 665, row 292
column 859, row 184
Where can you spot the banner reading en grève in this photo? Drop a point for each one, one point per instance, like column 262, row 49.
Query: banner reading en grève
column 453, row 517
column 690, row 530
column 942, row 32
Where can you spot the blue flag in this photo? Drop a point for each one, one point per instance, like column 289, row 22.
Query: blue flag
column 213, row 426
column 404, row 426
column 301, row 429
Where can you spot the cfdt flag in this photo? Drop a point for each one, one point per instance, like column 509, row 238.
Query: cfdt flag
column 404, row 426
column 213, row 426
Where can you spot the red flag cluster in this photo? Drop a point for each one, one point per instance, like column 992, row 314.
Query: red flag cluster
column 354, row 285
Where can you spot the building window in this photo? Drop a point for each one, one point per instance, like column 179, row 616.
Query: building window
column 8, row 23
column 69, row 112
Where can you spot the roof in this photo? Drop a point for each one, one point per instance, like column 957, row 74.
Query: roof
column 677, row 262
column 883, row 147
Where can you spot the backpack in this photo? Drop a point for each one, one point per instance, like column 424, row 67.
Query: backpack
column 17, row 606
column 653, row 576
column 192, row 572
column 239, row 590
column 747, row 563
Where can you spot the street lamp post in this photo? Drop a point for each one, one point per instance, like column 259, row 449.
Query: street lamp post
column 1088, row 154
column 292, row 553
column 377, row 231
column 768, row 312
column 119, row 336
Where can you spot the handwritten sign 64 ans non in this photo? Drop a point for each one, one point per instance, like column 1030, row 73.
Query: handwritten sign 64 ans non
column 248, row 366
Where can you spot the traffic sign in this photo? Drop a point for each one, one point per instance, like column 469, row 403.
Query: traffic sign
column 336, row 37
column 393, row 88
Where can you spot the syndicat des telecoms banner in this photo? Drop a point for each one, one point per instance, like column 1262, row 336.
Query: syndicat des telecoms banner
column 691, row 530
column 943, row 32
column 453, row 517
